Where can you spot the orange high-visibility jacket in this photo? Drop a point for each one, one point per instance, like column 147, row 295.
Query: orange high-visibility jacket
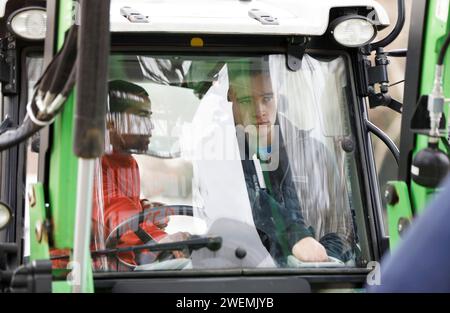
column 118, row 200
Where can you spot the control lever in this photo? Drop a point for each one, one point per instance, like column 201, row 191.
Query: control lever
column 194, row 243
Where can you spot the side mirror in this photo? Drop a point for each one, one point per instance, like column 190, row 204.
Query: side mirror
column 5, row 215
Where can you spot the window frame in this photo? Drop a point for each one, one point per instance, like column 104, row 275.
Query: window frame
column 14, row 160
column 361, row 159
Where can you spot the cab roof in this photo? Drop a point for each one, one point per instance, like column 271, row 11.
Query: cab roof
column 293, row 17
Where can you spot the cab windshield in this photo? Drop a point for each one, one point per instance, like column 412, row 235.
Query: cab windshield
column 236, row 149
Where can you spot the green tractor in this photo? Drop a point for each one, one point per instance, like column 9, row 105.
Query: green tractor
column 210, row 146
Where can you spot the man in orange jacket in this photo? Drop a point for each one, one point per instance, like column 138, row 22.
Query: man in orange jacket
column 117, row 186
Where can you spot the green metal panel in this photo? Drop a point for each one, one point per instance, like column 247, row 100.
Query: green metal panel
column 63, row 162
column 397, row 212
column 414, row 202
column 63, row 178
column 436, row 30
column 62, row 173
column 38, row 246
column 64, row 286
column 61, row 287
column 64, row 165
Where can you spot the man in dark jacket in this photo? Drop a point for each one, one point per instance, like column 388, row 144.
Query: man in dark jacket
column 273, row 194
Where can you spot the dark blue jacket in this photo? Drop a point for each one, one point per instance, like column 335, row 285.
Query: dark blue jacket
column 277, row 210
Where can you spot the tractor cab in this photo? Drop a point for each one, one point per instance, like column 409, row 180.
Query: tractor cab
column 191, row 146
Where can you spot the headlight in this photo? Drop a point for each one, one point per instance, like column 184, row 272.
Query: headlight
column 5, row 215
column 353, row 31
column 29, row 23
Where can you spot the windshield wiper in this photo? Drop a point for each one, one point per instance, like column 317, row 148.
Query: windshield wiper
column 194, row 243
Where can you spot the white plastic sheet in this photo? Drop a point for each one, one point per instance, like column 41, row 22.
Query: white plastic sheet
column 219, row 180
column 312, row 116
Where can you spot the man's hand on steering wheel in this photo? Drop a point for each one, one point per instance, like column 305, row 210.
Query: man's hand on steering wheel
column 161, row 221
column 137, row 224
column 179, row 236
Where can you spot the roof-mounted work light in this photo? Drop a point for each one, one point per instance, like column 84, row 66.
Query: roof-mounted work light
column 353, row 31
column 28, row 23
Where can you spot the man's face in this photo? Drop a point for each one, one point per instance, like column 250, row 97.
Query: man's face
column 254, row 102
column 135, row 142
column 127, row 142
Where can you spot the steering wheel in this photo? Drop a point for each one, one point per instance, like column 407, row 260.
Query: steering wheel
column 134, row 222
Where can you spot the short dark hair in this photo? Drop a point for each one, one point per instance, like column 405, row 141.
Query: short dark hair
column 248, row 67
column 124, row 95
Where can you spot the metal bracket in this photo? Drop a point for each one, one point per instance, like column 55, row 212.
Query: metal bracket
column 8, row 65
column 8, row 261
column 35, row 277
column 40, row 227
column 384, row 99
column 5, row 124
column 420, row 122
column 295, row 51
column 378, row 75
